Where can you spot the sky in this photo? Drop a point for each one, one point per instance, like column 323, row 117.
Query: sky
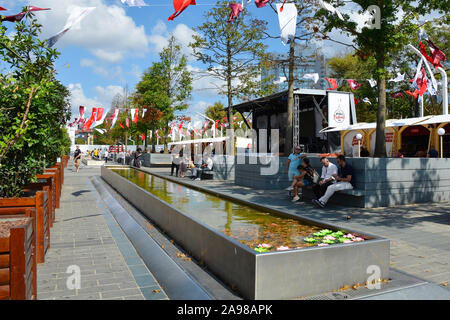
column 115, row 44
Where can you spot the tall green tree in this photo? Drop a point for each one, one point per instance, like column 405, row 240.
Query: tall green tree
column 34, row 106
column 398, row 19
column 167, row 85
column 233, row 52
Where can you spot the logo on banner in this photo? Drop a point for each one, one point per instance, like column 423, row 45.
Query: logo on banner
column 339, row 115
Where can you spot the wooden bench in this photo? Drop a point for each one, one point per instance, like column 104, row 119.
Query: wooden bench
column 33, row 206
column 17, row 259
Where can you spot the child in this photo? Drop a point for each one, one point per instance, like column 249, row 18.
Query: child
column 304, row 179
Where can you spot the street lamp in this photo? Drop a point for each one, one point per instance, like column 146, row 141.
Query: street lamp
column 441, row 132
column 359, row 138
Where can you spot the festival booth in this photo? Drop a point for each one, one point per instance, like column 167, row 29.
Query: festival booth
column 413, row 136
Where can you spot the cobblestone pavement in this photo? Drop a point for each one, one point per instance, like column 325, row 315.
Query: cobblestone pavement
column 419, row 234
column 86, row 235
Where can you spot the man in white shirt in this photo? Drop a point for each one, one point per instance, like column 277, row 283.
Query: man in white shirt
column 206, row 166
column 106, row 155
column 329, row 170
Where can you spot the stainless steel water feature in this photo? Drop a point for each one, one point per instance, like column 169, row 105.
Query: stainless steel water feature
column 273, row 275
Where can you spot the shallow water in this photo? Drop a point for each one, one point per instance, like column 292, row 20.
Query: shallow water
column 248, row 225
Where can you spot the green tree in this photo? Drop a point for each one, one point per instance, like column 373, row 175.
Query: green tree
column 233, row 52
column 34, row 107
column 382, row 44
column 167, row 85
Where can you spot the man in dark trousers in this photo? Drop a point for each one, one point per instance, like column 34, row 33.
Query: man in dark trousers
column 344, row 181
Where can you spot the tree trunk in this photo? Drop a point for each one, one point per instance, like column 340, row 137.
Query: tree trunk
column 290, row 108
column 165, row 138
column 230, row 98
column 126, row 141
column 380, row 139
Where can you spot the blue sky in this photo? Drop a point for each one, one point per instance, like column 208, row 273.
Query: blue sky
column 116, row 43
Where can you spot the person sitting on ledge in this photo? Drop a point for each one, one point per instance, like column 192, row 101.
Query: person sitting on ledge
column 206, row 166
column 294, row 160
column 326, row 179
column 344, row 181
column 305, row 178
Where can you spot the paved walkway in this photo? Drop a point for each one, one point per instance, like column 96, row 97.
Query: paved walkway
column 86, row 235
column 419, row 234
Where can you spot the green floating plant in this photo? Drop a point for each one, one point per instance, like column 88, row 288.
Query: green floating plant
column 260, row 250
column 310, row 240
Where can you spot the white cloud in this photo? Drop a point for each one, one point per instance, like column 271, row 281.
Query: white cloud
column 160, row 35
column 103, row 97
column 111, row 73
column 107, row 32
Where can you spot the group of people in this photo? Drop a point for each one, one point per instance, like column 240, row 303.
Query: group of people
column 333, row 178
column 182, row 162
column 99, row 154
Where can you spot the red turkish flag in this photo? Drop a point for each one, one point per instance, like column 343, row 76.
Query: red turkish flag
column 121, row 125
column 180, row 6
column 353, row 84
column 236, row 8
column 143, row 137
column 261, row 3
column 333, row 83
column 18, row 17
column 437, row 54
column 2, row 9
column 99, row 114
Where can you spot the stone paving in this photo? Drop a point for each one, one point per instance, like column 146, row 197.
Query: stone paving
column 86, row 235
column 419, row 234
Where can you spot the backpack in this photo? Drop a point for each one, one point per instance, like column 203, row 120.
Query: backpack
column 316, row 177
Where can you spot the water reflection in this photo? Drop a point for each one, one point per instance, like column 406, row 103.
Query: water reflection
column 248, row 225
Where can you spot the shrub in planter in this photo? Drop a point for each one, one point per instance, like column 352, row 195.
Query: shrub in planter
column 34, row 107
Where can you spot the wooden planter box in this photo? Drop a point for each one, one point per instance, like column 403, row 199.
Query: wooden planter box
column 17, row 259
column 33, row 206
column 65, row 160
column 50, row 177
column 44, row 185
column 57, row 174
column 60, row 167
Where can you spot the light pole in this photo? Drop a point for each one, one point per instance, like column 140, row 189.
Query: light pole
column 441, row 132
column 359, row 138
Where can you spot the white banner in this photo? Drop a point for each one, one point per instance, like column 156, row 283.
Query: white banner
column 338, row 109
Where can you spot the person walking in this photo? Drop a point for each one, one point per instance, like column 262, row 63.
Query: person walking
column 77, row 158
column 106, row 155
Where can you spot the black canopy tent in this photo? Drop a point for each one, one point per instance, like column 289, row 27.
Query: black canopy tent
column 310, row 115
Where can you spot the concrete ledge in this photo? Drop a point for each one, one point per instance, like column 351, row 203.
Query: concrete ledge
column 276, row 275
